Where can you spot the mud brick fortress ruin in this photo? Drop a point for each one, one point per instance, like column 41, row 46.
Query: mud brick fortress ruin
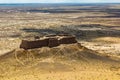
column 47, row 41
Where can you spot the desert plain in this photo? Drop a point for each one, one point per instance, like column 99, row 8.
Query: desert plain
column 96, row 56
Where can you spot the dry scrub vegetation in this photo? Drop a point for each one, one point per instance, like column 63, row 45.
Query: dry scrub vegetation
column 95, row 27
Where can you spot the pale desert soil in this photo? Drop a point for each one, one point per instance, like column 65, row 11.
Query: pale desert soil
column 105, row 45
column 98, row 29
column 65, row 62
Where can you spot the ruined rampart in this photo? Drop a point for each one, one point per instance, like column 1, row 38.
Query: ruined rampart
column 48, row 41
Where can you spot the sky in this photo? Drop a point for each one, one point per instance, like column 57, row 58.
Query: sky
column 59, row 1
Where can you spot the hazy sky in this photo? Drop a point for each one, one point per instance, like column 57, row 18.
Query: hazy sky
column 59, row 1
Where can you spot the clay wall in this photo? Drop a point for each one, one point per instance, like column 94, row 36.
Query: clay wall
column 67, row 40
column 53, row 42
column 34, row 44
column 49, row 42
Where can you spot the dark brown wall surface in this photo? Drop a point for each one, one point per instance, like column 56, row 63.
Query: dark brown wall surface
column 53, row 42
column 49, row 42
column 34, row 44
column 67, row 40
column 24, row 44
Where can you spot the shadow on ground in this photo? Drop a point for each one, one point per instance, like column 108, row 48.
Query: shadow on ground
column 80, row 31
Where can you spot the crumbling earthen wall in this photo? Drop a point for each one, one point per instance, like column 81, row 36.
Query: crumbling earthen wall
column 34, row 44
column 48, row 42
column 67, row 40
column 53, row 42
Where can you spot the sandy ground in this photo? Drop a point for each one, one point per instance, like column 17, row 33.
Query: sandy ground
column 105, row 45
column 66, row 62
column 97, row 29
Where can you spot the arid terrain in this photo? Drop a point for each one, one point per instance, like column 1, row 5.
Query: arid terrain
column 95, row 57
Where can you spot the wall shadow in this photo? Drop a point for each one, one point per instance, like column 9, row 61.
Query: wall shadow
column 80, row 31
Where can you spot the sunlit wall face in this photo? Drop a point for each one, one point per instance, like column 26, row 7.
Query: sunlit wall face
column 59, row 1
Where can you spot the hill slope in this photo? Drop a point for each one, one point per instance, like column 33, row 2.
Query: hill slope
column 51, row 63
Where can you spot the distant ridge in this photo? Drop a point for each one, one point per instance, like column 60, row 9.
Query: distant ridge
column 53, row 4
